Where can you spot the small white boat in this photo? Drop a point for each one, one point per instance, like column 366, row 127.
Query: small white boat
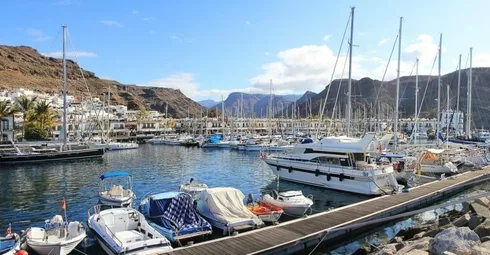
column 122, row 146
column 58, row 237
column 113, row 193
column 293, row 203
column 224, row 209
column 125, row 231
column 193, row 187
column 10, row 243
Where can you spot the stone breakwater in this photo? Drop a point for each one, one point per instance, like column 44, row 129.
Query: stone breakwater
column 461, row 232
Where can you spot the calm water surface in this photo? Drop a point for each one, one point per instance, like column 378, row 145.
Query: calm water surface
column 32, row 193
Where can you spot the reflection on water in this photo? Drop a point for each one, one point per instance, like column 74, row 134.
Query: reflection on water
column 32, row 193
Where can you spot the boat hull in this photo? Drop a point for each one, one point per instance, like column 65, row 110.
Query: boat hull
column 43, row 157
column 295, row 210
column 119, row 202
column 61, row 248
column 348, row 180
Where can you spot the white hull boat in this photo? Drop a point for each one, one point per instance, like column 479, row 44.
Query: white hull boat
column 123, row 146
column 447, row 168
column 193, row 187
column 293, row 203
column 57, row 238
column 335, row 164
column 126, row 231
column 114, row 194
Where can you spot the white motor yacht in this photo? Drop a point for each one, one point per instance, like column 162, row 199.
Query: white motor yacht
column 337, row 163
column 293, row 202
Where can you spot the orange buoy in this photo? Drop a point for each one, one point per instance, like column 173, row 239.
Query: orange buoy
column 21, row 252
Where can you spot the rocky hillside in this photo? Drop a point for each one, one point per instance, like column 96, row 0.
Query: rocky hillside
column 373, row 96
column 256, row 103
column 24, row 67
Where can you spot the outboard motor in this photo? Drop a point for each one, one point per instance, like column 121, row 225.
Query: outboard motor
column 275, row 194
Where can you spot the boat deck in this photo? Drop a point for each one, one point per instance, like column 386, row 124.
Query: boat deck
column 301, row 234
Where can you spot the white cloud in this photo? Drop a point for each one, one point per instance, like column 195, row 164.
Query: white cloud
column 174, row 37
column 148, row 18
column 248, row 23
column 110, row 23
column 267, row 53
column 310, row 67
column 134, row 12
column 79, row 54
column 383, row 41
column 36, row 34
column 327, row 37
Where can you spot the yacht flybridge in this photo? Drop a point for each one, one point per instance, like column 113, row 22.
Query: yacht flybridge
column 338, row 163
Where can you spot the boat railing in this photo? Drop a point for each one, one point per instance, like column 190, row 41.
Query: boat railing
column 96, row 210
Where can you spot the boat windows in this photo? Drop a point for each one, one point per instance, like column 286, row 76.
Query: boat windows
column 344, row 162
column 358, row 156
column 326, row 160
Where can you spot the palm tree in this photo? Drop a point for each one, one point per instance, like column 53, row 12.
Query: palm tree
column 43, row 115
column 5, row 111
column 26, row 105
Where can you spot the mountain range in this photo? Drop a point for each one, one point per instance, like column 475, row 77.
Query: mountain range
column 372, row 96
column 24, row 67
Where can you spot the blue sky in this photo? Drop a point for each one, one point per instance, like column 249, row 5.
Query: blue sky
column 209, row 48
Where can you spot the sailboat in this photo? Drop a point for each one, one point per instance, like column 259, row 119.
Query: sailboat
column 64, row 153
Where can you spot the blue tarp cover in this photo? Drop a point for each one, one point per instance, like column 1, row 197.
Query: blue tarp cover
column 177, row 213
column 114, row 174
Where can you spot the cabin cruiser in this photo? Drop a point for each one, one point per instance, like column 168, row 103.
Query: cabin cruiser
column 173, row 215
column 112, row 192
column 125, row 231
column 432, row 161
column 58, row 237
column 224, row 209
column 339, row 163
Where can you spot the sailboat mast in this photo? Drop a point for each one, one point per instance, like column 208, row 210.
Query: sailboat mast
column 438, row 124
column 223, row 113
column 459, row 86
column 349, row 87
column 448, row 120
column 468, row 114
column 414, row 135
column 64, row 89
column 397, row 102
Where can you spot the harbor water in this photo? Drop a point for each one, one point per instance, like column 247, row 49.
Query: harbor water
column 32, row 193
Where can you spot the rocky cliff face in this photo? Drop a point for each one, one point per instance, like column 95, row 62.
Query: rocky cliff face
column 24, row 67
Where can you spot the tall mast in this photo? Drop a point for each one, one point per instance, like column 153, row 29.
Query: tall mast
column 438, row 124
column 448, row 120
column 457, row 97
column 349, row 87
column 270, row 108
column 397, row 102
column 64, row 89
column 468, row 114
column 223, row 113
column 416, row 98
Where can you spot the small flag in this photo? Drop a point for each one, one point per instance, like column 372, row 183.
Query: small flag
column 9, row 229
column 63, row 204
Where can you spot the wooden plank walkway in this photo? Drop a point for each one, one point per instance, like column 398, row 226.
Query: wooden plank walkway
column 298, row 231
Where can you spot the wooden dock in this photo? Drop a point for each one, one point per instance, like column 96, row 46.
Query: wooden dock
column 300, row 235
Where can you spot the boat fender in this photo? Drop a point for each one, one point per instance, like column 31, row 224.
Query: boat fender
column 341, row 178
column 278, row 168
column 275, row 194
column 329, row 177
column 317, row 172
column 290, row 169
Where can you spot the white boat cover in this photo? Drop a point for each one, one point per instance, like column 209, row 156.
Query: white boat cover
column 223, row 205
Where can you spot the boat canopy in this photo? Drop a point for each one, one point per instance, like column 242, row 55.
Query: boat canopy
column 114, row 174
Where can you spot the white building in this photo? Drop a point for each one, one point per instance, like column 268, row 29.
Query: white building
column 7, row 128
